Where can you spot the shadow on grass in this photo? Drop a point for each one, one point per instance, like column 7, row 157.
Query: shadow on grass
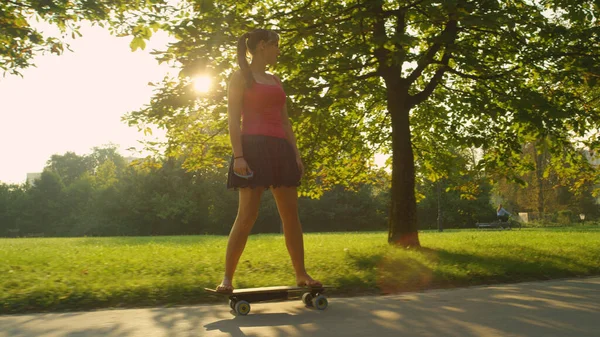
column 445, row 269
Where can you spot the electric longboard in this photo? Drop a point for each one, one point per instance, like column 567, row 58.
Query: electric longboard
column 240, row 299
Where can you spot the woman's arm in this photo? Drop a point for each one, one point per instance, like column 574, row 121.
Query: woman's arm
column 235, row 94
column 235, row 97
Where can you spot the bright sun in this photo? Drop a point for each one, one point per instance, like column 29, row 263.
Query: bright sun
column 202, row 83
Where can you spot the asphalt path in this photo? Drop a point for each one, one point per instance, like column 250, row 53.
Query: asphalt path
column 552, row 308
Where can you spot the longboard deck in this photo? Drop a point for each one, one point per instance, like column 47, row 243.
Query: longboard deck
column 240, row 299
column 265, row 290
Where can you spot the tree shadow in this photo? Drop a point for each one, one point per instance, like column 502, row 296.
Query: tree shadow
column 234, row 326
column 58, row 325
column 505, row 310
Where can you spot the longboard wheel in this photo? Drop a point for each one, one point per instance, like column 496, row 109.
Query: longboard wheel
column 242, row 308
column 320, row 302
column 232, row 304
column 307, row 299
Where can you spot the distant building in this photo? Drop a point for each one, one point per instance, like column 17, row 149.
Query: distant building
column 129, row 160
column 593, row 159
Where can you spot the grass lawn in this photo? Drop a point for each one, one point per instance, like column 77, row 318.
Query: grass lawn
column 40, row 274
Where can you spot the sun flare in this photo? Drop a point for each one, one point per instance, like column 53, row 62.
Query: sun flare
column 202, row 83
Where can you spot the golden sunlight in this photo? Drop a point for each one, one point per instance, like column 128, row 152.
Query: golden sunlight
column 202, row 83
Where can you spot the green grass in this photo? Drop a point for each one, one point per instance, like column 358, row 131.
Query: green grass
column 82, row 273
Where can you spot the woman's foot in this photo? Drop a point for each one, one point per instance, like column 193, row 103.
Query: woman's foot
column 307, row 281
column 225, row 287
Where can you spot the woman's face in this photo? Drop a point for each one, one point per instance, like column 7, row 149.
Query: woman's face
column 269, row 50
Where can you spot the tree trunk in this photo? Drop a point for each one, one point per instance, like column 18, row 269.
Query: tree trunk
column 539, row 174
column 403, row 211
column 439, row 206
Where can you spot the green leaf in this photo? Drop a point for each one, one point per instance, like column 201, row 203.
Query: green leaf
column 137, row 43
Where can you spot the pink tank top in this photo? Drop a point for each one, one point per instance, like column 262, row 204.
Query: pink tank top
column 261, row 110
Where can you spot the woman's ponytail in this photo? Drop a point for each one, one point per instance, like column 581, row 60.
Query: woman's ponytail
column 242, row 52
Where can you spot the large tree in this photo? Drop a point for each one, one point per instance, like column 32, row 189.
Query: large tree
column 369, row 75
column 69, row 166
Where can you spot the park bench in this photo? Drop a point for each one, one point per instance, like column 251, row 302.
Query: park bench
column 510, row 224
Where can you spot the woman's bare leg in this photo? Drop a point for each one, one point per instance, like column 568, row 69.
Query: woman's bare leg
column 249, row 202
column 287, row 205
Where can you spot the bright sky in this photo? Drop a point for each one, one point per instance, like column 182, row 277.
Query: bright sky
column 74, row 102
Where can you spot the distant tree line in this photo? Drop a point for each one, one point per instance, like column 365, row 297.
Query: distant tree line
column 101, row 194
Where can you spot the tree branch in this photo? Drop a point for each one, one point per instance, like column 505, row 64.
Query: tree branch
column 423, row 95
column 480, row 77
column 324, row 21
column 369, row 75
column 299, row 9
column 356, row 67
column 423, row 62
column 482, row 30
column 592, row 100
column 413, row 4
column 399, row 33
column 316, row 25
column 457, row 90
column 379, row 36
column 450, row 32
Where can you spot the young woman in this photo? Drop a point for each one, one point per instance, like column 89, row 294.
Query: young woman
column 264, row 152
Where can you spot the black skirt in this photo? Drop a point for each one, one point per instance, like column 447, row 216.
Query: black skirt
column 272, row 160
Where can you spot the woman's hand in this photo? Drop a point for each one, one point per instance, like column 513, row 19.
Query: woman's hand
column 300, row 165
column 240, row 166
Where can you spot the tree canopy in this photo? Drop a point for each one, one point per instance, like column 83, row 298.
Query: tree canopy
column 21, row 36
